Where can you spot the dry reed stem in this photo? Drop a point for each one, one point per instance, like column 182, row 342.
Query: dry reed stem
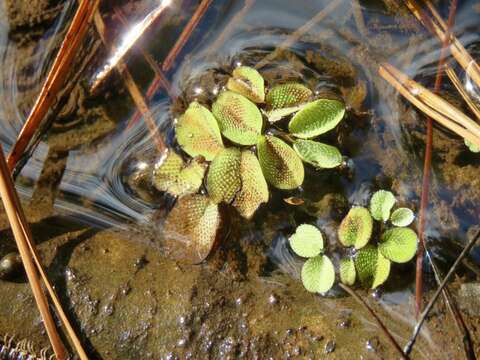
column 185, row 35
column 382, row 326
column 431, row 104
column 237, row 18
column 439, row 28
column 55, row 78
column 119, row 53
column 461, row 89
column 133, row 89
column 297, row 34
column 7, row 191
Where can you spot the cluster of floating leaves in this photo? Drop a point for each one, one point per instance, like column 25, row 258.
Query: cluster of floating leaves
column 232, row 159
column 370, row 263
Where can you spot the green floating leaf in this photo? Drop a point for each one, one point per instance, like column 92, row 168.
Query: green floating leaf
column 280, row 164
column 318, row 154
column 287, row 95
column 382, row 271
column 318, row 274
column 402, row 217
column 254, row 189
column 356, row 228
column 172, row 176
column 471, row 146
column 247, row 82
column 285, row 99
column 307, row 241
column 372, row 268
column 380, row 205
column 347, row 271
column 198, row 132
column 239, row 119
column 191, row 228
column 399, row 244
column 223, row 178
column 317, row 118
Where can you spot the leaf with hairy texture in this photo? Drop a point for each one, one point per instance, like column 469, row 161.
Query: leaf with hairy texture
column 399, row 244
column 372, row 268
column 238, row 118
column 348, row 274
column 254, row 188
column 223, row 178
column 317, row 118
column 285, row 99
column 380, row 205
column 356, row 228
column 402, row 217
column 248, row 82
column 198, row 132
column 318, row 274
column 307, row 241
column 318, row 154
column 191, row 228
column 280, row 164
column 176, row 178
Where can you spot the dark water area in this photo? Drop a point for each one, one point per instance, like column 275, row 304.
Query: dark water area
column 97, row 159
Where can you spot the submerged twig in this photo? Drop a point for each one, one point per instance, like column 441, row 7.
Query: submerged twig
column 297, row 34
column 382, row 326
column 185, row 35
column 418, row 326
column 133, row 89
column 461, row 89
column 7, row 192
column 431, row 104
column 55, row 78
column 427, row 164
column 230, row 26
column 129, row 41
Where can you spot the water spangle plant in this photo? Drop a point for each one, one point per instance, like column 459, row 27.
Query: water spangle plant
column 369, row 261
column 238, row 146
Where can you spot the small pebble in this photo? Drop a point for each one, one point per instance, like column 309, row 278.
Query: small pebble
column 272, row 299
column 10, row 266
column 329, row 347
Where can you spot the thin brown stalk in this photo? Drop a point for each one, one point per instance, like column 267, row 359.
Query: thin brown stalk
column 382, row 326
column 133, row 89
column 297, row 34
column 432, row 105
column 185, row 35
column 426, row 167
column 359, row 19
column 461, row 89
column 428, row 308
column 6, row 191
column 237, row 18
column 55, row 78
column 130, row 40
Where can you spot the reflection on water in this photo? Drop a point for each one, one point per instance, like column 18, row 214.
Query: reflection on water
column 381, row 142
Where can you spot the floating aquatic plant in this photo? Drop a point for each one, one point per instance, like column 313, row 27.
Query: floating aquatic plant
column 230, row 156
column 370, row 262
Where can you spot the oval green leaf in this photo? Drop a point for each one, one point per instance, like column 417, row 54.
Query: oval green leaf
column 317, row 118
column 372, row 268
column 399, row 244
column 287, row 95
column 248, row 82
column 382, row 271
column 380, row 205
column 280, row 164
column 471, row 146
column 223, row 178
column 191, row 228
column 238, row 118
column 356, row 228
column 318, row 274
column 348, row 274
column 318, row 154
column 307, row 241
column 176, row 178
column 198, row 132
column 254, row 188
column 402, row 217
